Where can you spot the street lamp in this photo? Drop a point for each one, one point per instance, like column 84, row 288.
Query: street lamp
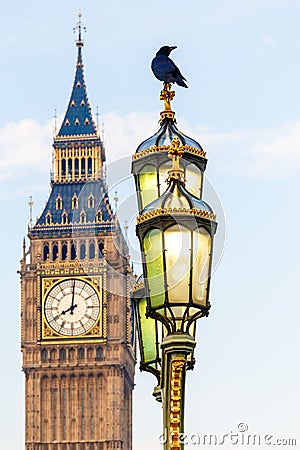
column 175, row 232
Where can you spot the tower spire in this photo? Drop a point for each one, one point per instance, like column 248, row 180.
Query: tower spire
column 78, row 119
column 79, row 27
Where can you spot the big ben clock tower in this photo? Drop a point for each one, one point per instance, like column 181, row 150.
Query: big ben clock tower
column 78, row 355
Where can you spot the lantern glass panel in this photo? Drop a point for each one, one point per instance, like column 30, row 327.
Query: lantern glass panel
column 148, row 185
column 201, row 263
column 177, row 253
column 193, row 177
column 148, row 332
column 153, row 250
column 163, row 175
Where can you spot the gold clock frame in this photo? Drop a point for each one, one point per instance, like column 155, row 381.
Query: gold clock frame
column 96, row 334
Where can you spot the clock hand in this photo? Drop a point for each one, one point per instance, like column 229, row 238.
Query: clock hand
column 72, row 308
column 73, row 292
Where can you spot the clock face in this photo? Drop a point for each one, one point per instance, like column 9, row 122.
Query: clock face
column 72, row 307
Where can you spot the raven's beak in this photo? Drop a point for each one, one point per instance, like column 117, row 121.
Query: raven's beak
column 173, row 48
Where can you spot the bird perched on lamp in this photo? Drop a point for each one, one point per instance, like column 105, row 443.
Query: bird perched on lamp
column 165, row 69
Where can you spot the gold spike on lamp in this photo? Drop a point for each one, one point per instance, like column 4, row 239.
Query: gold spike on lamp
column 176, row 233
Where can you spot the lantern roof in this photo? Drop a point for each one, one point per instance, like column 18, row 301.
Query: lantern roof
column 165, row 135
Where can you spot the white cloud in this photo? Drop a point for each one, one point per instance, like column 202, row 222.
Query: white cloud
column 25, row 147
column 125, row 133
column 272, row 154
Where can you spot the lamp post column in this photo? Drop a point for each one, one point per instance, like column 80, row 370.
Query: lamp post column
column 175, row 350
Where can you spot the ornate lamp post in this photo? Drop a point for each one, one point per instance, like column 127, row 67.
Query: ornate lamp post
column 175, row 230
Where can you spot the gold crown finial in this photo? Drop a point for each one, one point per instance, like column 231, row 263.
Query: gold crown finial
column 167, row 96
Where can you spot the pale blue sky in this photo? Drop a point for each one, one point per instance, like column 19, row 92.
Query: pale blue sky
column 241, row 60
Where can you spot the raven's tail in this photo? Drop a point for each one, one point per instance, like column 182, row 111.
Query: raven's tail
column 180, row 82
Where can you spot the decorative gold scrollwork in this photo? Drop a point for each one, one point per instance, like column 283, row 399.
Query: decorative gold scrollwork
column 177, row 366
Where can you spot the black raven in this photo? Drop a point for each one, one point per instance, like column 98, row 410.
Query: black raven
column 164, row 68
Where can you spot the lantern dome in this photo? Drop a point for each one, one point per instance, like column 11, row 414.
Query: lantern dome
column 165, row 135
column 150, row 163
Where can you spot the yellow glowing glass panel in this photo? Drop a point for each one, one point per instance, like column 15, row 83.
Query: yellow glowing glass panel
column 193, row 178
column 155, row 268
column 178, row 250
column 148, row 185
column 201, row 256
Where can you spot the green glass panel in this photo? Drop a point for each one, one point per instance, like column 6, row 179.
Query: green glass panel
column 148, row 185
column 178, row 249
column 148, row 333
column 155, row 268
column 201, row 261
column 193, row 178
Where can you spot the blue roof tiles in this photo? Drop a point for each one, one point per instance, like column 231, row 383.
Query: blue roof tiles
column 71, row 201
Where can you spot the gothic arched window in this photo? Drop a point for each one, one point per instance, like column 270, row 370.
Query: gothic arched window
column 80, row 353
column 99, row 353
column 48, row 218
column 75, row 201
column 53, row 355
column 76, row 165
column 64, row 251
column 83, row 166
column 82, row 251
column 63, row 167
column 73, row 252
column 46, row 252
column 100, row 249
column 44, row 355
column 54, row 252
column 64, row 218
column 91, row 201
column 70, row 167
column 89, row 166
column 62, row 354
column 92, row 250
column 82, row 217
column 58, row 202
column 98, row 216
column 90, row 353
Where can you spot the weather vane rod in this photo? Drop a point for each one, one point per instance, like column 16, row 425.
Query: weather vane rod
column 79, row 27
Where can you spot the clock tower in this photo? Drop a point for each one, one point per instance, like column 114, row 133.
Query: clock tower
column 76, row 319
